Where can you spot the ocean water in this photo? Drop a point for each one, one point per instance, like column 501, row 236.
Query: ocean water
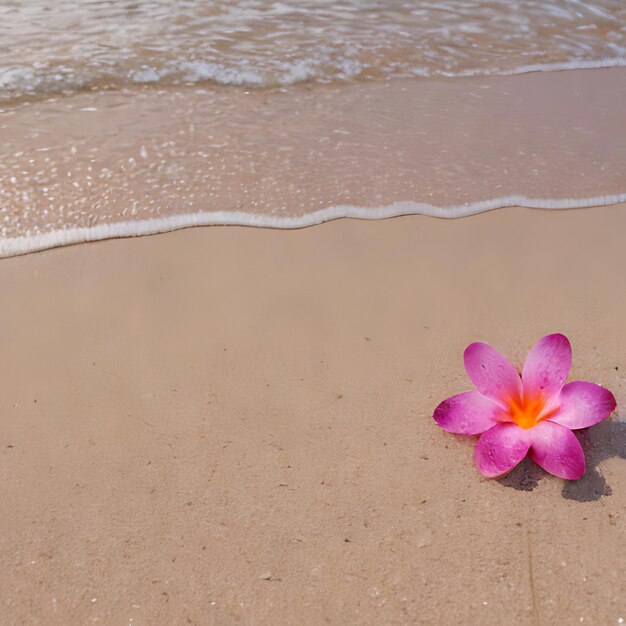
column 82, row 44
column 122, row 118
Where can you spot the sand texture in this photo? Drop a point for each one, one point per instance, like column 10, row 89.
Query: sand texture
column 228, row 425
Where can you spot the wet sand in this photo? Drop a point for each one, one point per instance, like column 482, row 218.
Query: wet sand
column 231, row 425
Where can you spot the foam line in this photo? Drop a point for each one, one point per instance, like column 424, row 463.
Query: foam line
column 544, row 67
column 64, row 237
column 19, row 82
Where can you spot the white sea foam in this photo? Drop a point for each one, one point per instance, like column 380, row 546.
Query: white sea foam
column 548, row 67
column 16, row 81
column 64, row 237
column 260, row 43
column 197, row 71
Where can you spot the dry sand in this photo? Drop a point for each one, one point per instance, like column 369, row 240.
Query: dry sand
column 230, row 425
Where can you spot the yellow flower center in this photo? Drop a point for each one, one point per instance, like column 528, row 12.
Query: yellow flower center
column 528, row 412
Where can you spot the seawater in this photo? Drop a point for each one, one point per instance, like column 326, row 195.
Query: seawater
column 123, row 118
column 68, row 45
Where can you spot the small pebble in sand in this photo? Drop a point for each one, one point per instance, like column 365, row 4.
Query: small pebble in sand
column 266, row 576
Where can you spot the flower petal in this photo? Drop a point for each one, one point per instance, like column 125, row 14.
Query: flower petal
column 557, row 450
column 491, row 373
column 468, row 413
column 547, row 366
column 583, row 404
column 500, row 449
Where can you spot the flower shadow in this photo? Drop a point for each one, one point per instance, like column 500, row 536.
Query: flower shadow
column 600, row 442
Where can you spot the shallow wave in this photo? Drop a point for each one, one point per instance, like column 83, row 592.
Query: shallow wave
column 17, row 82
column 96, row 44
column 111, row 164
column 64, row 237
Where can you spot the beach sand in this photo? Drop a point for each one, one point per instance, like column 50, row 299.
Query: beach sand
column 234, row 425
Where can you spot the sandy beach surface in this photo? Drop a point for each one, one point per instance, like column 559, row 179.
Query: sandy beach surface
column 234, row 425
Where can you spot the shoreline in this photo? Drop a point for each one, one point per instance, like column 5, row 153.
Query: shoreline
column 235, row 425
column 110, row 164
column 27, row 245
column 29, row 98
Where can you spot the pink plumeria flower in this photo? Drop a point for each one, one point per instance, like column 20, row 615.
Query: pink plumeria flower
column 532, row 415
